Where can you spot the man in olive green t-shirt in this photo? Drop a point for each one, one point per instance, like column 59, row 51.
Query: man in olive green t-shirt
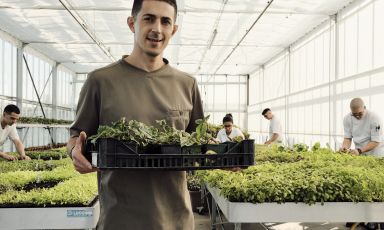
column 144, row 87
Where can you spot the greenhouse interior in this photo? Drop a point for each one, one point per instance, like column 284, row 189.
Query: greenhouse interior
column 192, row 114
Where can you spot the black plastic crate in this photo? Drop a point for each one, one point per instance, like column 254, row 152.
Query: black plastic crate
column 161, row 149
column 114, row 154
column 193, row 149
column 245, row 146
column 170, row 149
column 217, row 148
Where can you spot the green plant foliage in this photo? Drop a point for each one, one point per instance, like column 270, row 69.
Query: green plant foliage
column 77, row 191
column 41, row 120
column 143, row 135
column 202, row 134
column 305, row 176
column 19, row 179
column 193, row 183
column 131, row 131
column 54, row 147
column 39, row 183
column 32, row 165
column 47, row 155
column 214, row 129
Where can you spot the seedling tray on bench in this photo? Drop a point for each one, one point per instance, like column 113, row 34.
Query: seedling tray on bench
column 109, row 153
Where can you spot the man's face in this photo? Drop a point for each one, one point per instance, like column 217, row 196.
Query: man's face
column 268, row 115
column 153, row 27
column 10, row 118
column 358, row 113
column 228, row 126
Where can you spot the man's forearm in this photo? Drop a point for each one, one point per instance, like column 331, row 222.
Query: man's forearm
column 20, row 148
column 347, row 143
column 274, row 137
column 371, row 145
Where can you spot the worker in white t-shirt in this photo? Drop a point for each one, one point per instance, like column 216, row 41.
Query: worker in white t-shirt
column 228, row 132
column 275, row 130
column 365, row 128
column 8, row 129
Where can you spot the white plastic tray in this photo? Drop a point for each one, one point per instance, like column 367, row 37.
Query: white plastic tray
column 298, row 212
column 50, row 218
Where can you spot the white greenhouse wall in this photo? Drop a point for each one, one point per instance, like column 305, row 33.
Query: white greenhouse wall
column 309, row 86
column 42, row 71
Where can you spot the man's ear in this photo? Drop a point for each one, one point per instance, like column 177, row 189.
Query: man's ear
column 175, row 27
column 131, row 23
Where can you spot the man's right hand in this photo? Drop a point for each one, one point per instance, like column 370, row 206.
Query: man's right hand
column 82, row 165
column 343, row 149
column 7, row 157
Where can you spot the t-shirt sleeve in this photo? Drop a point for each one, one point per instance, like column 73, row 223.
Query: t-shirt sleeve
column 197, row 109
column 276, row 126
column 347, row 126
column 220, row 136
column 88, row 107
column 13, row 133
column 239, row 133
column 376, row 129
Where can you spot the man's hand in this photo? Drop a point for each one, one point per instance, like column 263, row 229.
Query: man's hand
column 82, row 165
column 343, row 149
column 354, row 152
column 25, row 157
column 7, row 157
column 213, row 141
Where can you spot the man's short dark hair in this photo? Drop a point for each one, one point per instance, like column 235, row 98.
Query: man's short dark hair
column 265, row 111
column 11, row 109
column 137, row 4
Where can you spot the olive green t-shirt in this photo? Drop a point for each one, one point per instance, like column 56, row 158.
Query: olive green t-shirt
column 140, row 199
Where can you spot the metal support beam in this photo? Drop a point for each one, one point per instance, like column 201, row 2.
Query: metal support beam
column 37, row 94
column 19, row 76
column 213, row 35
column 180, row 11
column 86, row 29
column 74, row 102
column 174, row 43
column 246, row 113
column 335, row 74
column 54, row 91
column 288, row 91
column 244, row 36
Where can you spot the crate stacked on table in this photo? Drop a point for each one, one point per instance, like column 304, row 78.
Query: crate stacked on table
column 109, row 153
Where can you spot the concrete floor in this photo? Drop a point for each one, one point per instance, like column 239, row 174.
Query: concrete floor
column 202, row 222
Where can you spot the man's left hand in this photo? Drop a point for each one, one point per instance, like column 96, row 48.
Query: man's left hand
column 25, row 157
column 354, row 152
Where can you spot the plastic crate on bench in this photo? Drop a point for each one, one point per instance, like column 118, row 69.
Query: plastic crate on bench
column 110, row 153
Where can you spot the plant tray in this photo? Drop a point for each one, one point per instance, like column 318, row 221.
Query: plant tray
column 110, row 153
column 80, row 217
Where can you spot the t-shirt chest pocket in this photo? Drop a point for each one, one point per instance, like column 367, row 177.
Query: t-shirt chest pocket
column 179, row 118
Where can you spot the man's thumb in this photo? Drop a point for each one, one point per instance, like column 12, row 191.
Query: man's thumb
column 80, row 140
column 83, row 136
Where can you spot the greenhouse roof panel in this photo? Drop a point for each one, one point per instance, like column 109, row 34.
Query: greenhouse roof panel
column 214, row 36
